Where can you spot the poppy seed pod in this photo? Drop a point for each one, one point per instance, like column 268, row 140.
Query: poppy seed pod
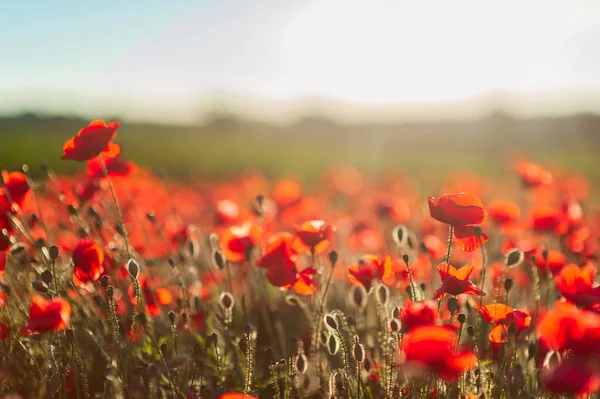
column 226, row 300
column 406, row 259
column 358, row 294
column 514, row 257
column 462, row 318
column 172, row 317
column 133, row 268
column 330, row 321
column 333, row 345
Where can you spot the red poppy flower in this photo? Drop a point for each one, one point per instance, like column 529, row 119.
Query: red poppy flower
column 315, row 234
column 545, row 218
column 568, row 329
column 279, row 248
column 47, row 315
column 116, row 166
column 90, row 141
column 238, row 241
column 533, row 175
column 370, row 268
column 417, row 314
column 88, row 261
column 554, row 261
column 15, row 184
column 502, row 316
column 433, row 348
column 456, row 281
column 504, row 212
column 575, row 284
column 457, row 209
column 572, row 377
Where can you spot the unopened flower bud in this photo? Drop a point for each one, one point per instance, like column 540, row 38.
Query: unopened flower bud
column 333, row 257
column 383, row 293
column 172, row 317
column 226, row 300
column 53, row 252
column 39, row 286
column 330, row 321
column 514, row 257
column 219, row 261
column 452, row 305
column 359, row 296
column 462, row 318
column 508, row 284
column 133, row 268
column 46, row 276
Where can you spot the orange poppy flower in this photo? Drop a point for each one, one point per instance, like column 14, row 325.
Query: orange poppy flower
column 88, row 261
column 533, row 175
column 47, row 315
column 571, row 329
column 554, row 262
column 287, row 192
column 370, row 268
column 90, row 141
column 457, row 209
column 502, row 316
column 575, row 284
column 456, row 281
column 238, row 241
column 504, row 212
column 467, row 239
column 315, row 234
column 432, row 348
column 417, row 314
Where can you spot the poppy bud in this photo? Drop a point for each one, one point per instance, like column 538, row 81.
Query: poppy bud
column 260, row 199
column 219, row 261
column 422, row 285
column 301, row 364
column 514, row 257
column 163, row 349
column 396, row 312
column 424, row 248
column 367, row 365
column 471, row 331
column 545, row 254
column 508, row 284
column 359, row 296
column 330, row 321
column 400, row 235
column 462, row 318
column 105, row 280
column 133, row 268
column 383, row 293
column 292, row 300
column 395, row 325
column 358, row 350
column 411, row 239
column 46, row 276
column 247, row 329
column 172, row 317
column 333, row 345
column 452, row 305
column 71, row 209
column 333, row 257
column 39, row 286
column 53, row 252
column 227, row 300
column 405, row 258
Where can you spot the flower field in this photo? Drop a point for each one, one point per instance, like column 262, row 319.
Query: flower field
column 118, row 283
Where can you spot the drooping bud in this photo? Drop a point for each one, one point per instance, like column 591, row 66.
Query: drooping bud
column 508, row 284
column 39, row 286
column 396, row 312
column 333, row 257
column 172, row 317
column 358, row 350
column 395, row 325
column 452, row 305
column 226, row 300
column 301, row 364
column 330, row 321
column 462, row 318
column 46, row 276
column 53, row 252
column 358, row 296
column 133, row 268
column 514, row 257
column 219, row 261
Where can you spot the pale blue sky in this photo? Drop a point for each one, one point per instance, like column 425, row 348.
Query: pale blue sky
column 140, row 56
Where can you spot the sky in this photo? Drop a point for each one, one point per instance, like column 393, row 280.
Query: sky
column 169, row 60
